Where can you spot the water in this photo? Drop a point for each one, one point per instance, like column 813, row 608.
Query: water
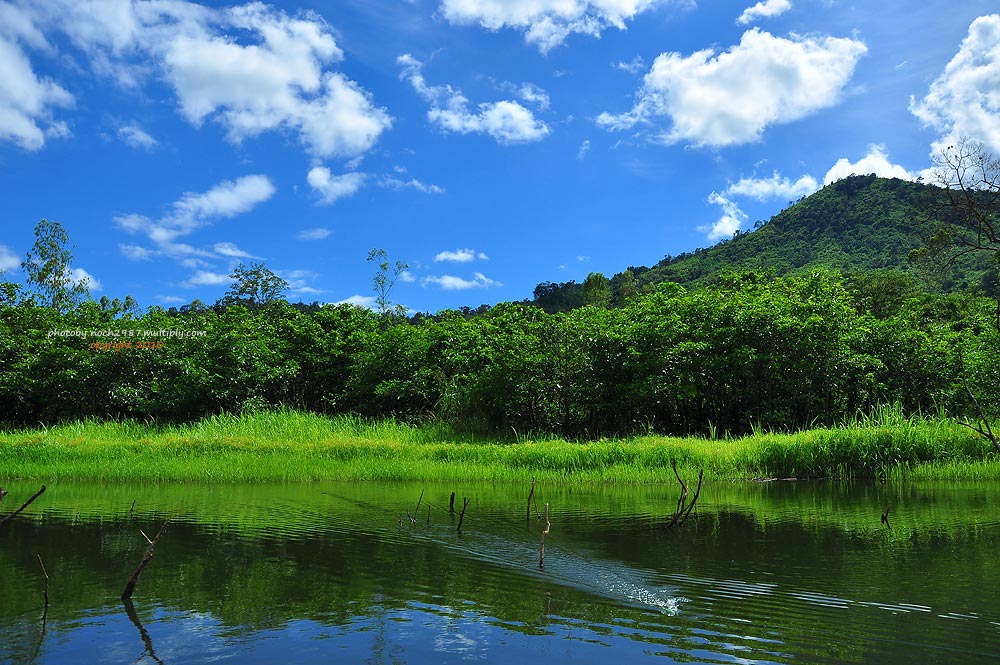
column 760, row 573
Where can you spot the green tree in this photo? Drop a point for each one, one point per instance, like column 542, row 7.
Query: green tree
column 254, row 286
column 386, row 275
column 48, row 266
column 597, row 290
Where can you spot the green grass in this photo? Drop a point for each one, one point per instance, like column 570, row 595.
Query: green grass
column 292, row 446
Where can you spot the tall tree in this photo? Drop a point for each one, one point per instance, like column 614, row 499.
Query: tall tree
column 254, row 286
column 48, row 266
column 386, row 275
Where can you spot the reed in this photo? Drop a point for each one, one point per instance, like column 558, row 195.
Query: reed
column 287, row 445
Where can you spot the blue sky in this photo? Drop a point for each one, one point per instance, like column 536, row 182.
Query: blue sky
column 490, row 144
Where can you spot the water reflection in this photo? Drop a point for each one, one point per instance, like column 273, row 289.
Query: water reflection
column 775, row 573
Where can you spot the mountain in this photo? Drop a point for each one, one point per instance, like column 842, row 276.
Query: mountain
column 857, row 224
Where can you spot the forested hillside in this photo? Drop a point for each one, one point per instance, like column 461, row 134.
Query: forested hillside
column 858, row 224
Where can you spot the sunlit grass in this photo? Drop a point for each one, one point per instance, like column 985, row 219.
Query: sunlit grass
column 293, row 446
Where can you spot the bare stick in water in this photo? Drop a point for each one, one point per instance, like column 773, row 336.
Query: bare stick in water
column 146, row 558
column 461, row 516
column 131, row 511
column 45, row 591
column 25, row 505
column 451, row 504
column 531, row 495
column 541, row 554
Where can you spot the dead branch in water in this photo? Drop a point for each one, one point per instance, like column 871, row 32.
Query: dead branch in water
column 146, row 558
column 684, row 508
column 451, row 504
column 461, row 516
column 531, row 497
column 416, row 511
column 3, row 493
column 23, row 506
column 541, row 554
column 45, row 591
column 131, row 511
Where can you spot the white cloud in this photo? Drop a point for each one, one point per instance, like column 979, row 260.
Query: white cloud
column 135, row 252
column 412, row 183
column 79, row 275
column 777, row 186
column 229, row 198
column 8, row 261
column 171, row 300
column 460, row 256
column 332, row 187
column 26, row 101
column 231, row 250
column 729, row 98
column 584, row 149
column 134, row 137
column 633, row 66
column 764, row 9
column 546, row 23
column 207, row 278
column 729, row 223
column 251, row 68
column 365, row 302
column 452, row 283
column 876, row 161
column 318, row 233
column 407, row 277
column 965, row 100
column 532, row 94
column 506, row 121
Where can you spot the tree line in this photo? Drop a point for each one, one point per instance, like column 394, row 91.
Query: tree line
column 753, row 351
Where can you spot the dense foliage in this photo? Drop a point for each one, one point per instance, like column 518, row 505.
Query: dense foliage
column 752, row 351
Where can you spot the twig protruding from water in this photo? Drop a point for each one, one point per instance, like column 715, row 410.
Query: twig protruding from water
column 146, row 558
column 451, row 504
column 131, row 511
column 45, row 590
column 885, row 518
column 683, row 508
column 461, row 516
column 23, row 506
column 541, row 553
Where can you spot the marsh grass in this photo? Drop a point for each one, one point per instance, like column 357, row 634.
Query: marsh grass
column 287, row 445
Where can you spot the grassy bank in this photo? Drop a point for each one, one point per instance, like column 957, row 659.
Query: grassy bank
column 292, row 446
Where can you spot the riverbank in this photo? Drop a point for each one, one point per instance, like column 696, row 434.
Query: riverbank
column 292, row 446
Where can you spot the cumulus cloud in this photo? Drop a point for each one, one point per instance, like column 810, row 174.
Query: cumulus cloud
column 250, row 68
column 730, row 98
column 332, row 187
column 194, row 210
column 777, row 186
column 27, row 101
column 365, row 302
column 729, row 223
column 8, row 261
column 460, row 256
column 134, row 137
column 81, row 276
column 452, row 283
column 546, row 23
column 964, row 101
column 764, row 9
column 876, row 161
column 318, row 233
column 506, row 121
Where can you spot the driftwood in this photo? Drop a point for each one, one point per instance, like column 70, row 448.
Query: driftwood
column 146, row 558
column 684, row 508
column 23, row 506
column 541, row 553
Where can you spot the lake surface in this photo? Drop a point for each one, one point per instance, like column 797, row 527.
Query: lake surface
column 780, row 572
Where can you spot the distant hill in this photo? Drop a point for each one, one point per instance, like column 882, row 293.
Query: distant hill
column 858, row 224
